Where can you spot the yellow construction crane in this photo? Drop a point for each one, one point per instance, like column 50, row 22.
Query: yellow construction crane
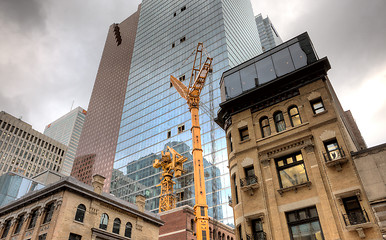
column 192, row 95
column 171, row 165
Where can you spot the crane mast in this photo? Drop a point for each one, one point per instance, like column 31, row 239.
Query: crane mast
column 192, row 95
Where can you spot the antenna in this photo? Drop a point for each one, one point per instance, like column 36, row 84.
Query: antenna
column 72, row 104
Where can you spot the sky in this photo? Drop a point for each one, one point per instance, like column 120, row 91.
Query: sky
column 50, row 52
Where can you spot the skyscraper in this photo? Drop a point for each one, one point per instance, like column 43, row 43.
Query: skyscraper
column 97, row 144
column 155, row 116
column 269, row 37
column 67, row 130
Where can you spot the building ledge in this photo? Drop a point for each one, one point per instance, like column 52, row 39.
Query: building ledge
column 294, row 188
column 107, row 235
column 321, row 113
column 337, row 163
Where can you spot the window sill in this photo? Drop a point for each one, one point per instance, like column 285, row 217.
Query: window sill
column 274, row 134
column 244, row 141
column 321, row 113
column 81, row 223
column 294, row 188
column 337, row 163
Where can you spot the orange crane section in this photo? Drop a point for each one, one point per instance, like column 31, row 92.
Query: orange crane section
column 192, row 95
column 171, row 165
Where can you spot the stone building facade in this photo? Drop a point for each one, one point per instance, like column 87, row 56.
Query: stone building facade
column 180, row 225
column 289, row 145
column 69, row 209
column 25, row 150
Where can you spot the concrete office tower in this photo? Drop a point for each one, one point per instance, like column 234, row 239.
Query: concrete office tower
column 67, row 130
column 25, row 150
column 269, row 37
column 154, row 115
column 289, row 145
column 97, row 144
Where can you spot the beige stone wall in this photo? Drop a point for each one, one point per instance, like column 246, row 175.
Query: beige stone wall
column 327, row 184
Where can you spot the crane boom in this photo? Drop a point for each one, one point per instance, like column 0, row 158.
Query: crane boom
column 192, row 95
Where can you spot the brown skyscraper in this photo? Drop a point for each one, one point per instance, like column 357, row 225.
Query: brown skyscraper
column 97, row 144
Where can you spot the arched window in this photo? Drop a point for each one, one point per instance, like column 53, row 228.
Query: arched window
column 219, row 236
column 49, row 211
column 293, row 112
column 116, row 225
column 104, row 221
column 279, row 121
column 128, row 229
column 265, row 128
column 223, row 236
column 210, row 233
column 80, row 211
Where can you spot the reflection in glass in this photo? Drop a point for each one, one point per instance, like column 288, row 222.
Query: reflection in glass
column 291, row 170
column 293, row 112
column 248, row 76
column 279, row 121
column 233, row 85
column 265, row 70
column 298, row 56
column 265, row 128
column 282, row 62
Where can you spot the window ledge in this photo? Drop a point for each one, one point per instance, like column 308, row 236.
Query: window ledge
column 321, row 113
column 337, row 163
column 250, row 188
column 78, row 222
column 294, row 188
column 360, row 225
column 244, row 141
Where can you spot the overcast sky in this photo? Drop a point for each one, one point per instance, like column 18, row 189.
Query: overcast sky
column 50, row 52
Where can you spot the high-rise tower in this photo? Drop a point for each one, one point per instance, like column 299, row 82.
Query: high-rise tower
column 269, row 37
column 154, row 115
column 97, row 144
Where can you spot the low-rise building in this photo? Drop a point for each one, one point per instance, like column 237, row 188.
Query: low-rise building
column 69, row 209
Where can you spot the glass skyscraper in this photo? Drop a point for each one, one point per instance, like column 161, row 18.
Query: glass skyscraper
column 155, row 116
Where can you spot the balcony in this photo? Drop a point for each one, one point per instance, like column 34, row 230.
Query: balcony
column 355, row 218
column 257, row 236
column 335, row 158
column 249, row 183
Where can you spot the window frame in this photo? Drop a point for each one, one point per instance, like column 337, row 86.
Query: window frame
column 34, row 217
column 74, row 236
column 263, row 127
column 279, row 121
column 49, row 211
column 315, row 101
column 128, row 229
column 309, row 219
column 104, row 218
column 286, row 165
column 80, row 213
column 244, row 134
column 291, row 117
column 116, row 225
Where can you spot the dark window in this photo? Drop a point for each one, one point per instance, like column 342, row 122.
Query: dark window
column 248, row 76
column 19, row 224
column 265, row 128
column 279, row 121
column 182, row 78
column 169, row 135
column 80, row 212
column 236, row 194
column 74, row 236
column 250, row 177
column 230, row 143
column 317, row 106
column 257, row 229
column 116, row 225
column 173, row 45
column 304, row 224
column 354, row 213
column 294, row 115
column 171, row 84
column 49, row 211
column 7, row 226
column 265, row 71
column 192, row 225
column 43, row 236
column 240, row 233
column 233, row 85
column 282, row 62
column 174, row 14
column 34, row 217
column 183, row 8
column 332, row 148
column 181, row 128
column 182, row 39
column 104, row 221
column 244, row 135
column 291, row 170
column 128, row 229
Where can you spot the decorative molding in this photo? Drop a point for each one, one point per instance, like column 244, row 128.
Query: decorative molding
column 288, row 148
column 294, row 188
column 242, row 124
column 313, row 95
column 327, row 135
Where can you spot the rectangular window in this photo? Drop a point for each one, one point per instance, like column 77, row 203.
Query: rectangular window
column 250, row 177
column 236, row 194
column 182, row 78
column 183, row 8
column 169, row 134
column 291, row 170
column 244, row 135
column 317, row 106
column 173, row 45
column 354, row 213
column 34, row 217
column 333, row 151
column 181, row 128
column 43, row 236
column 257, row 229
column 74, row 236
column 304, row 224
column 182, row 39
column 230, row 143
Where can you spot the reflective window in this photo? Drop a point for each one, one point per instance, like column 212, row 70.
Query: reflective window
column 291, row 170
column 317, row 106
column 248, row 76
column 279, row 121
column 265, row 70
column 333, row 151
column 7, row 226
column 265, row 127
column 116, row 225
column 304, row 224
column 128, row 229
column 244, row 135
column 49, row 211
column 298, row 56
column 294, row 115
column 80, row 212
column 34, row 217
column 233, row 85
column 283, row 62
column 104, row 221
column 19, row 224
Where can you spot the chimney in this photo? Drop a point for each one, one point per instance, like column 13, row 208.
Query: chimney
column 98, row 182
column 140, row 202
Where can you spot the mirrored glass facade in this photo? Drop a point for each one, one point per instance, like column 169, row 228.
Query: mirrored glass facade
column 154, row 113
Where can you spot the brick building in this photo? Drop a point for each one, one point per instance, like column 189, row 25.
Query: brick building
column 289, row 144
column 69, row 209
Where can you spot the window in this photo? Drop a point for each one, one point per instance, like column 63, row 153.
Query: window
column 304, row 224
column 183, row 8
column 19, row 224
column 174, row 14
column 279, row 121
column 240, row 233
column 104, row 221
column 192, row 225
column 236, row 194
column 128, row 229
column 34, row 217
column 181, row 128
column 265, row 128
column 43, row 236
column 291, row 170
column 7, row 226
column 230, row 143
column 74, row 236
column 182, row 39
column 49, row 211
column 317, row 106
column 80, row 212
column 173, row 45
column 169, row 134
column 354, row 213
column 332, row 149
column 244, row 135
column 250, row 177
column 294, row 115
column 257, row 229
column 116, row 225
column 171, row 84
column 182, row 78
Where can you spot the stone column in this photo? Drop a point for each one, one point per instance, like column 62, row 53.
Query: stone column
column 39, row 221
column 26, row 220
